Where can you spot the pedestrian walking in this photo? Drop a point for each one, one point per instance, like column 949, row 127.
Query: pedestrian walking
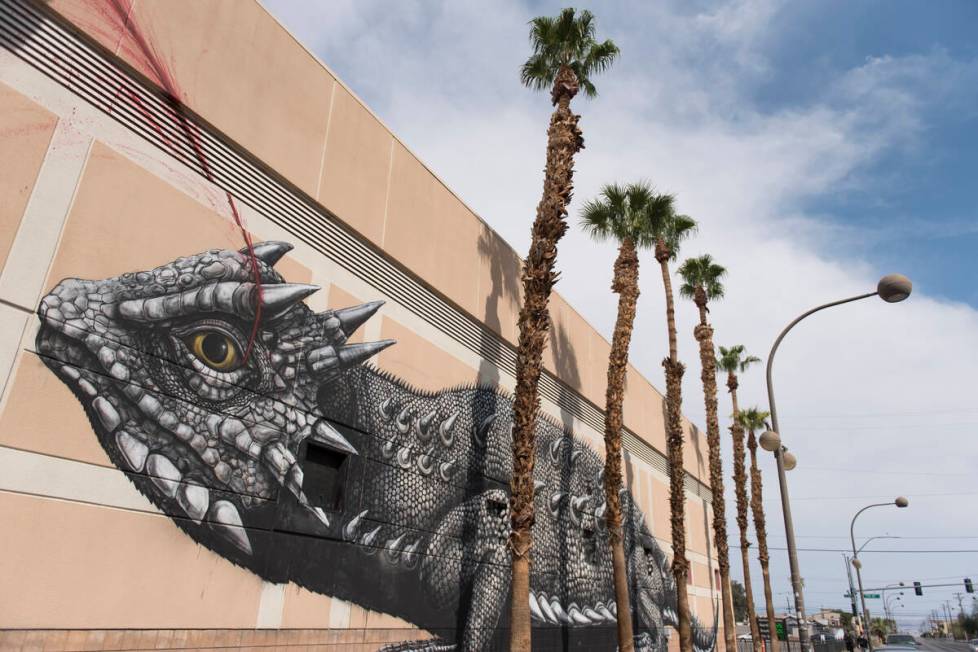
column 849, row 641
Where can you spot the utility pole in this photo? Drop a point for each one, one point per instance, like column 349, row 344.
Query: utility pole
column 947, row 614
column 960, row 603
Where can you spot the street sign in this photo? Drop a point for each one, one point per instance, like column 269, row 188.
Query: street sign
column 871, row 596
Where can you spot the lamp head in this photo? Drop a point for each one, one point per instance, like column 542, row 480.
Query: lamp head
column 770, row 441
column 790, row 461
column 894, row 288
column 901, row 501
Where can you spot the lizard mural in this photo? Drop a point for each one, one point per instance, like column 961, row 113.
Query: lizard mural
column 292, row 456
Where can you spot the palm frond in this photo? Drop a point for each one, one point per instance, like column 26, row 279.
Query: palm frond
column 567, row 39
column 590, row 90
column 599, row 57
column 704, row 273
column 537, row 73
column 753, row 418
column 596, row 219
column 729, row 359
column 687, row 290
column 622, row 212
column 748, row 361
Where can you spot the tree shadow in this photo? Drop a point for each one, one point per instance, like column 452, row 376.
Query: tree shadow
column 504, row 289
column 565, row 362
column 696, row 441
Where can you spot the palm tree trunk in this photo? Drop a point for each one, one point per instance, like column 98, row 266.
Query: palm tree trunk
column 674, row 451
column 740, row 486
column 563, row 141
column 757, row 508
column 704, row 335
column 625, row 284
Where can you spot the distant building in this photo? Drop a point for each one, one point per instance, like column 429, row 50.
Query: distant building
column 829, row 617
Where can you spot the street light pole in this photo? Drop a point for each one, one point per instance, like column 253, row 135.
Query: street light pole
column 892, row 289
column 899, row 502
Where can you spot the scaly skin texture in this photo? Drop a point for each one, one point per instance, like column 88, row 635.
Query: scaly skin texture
column 416, row 519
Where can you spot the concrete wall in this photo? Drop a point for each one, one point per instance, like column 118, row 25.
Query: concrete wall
column 89, row 560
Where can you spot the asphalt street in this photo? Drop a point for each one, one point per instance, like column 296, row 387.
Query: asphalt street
column 941, row 645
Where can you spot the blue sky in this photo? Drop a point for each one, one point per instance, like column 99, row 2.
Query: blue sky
column 820, row 144
column 930, row 185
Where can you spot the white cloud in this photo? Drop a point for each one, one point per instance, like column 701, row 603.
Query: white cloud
column 675, row 110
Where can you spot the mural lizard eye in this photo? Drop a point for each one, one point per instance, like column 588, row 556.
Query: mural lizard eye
column 217, row 350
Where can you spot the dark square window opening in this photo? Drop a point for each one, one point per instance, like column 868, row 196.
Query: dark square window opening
column 589, row 545
column 322, row 477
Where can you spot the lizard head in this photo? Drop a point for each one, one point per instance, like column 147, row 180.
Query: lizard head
column 202, row 384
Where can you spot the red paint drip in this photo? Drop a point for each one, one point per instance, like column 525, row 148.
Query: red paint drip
column 172, row 94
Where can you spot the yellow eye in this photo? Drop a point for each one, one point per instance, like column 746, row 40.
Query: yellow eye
column 215, row 349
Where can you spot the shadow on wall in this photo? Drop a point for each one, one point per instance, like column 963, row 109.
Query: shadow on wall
column 504, row 288
column 695, row 439
column 565, row 360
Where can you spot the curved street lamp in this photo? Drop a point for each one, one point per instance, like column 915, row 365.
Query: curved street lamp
column 882, row 536
column 892, row 288
column 900, row 501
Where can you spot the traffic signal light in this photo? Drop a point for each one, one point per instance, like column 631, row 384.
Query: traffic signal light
column 968, row 586
column 917, row 589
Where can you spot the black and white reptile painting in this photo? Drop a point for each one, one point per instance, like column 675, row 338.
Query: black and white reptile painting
column 275, row 443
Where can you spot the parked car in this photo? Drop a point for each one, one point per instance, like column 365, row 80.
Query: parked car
column 973, row 645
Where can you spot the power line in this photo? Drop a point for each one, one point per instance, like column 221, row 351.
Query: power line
column 812, row 536
column 909, row 495
column 920, row 552
column 841, row 430
column 829, row 469
column 884, row 414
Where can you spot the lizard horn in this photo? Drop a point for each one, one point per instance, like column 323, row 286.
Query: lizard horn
column 279, row 297
column 326, row 434
column 353, row 318
column 351, row 355
column 269, row 252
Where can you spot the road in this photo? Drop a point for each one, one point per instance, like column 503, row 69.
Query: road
column 942, row 645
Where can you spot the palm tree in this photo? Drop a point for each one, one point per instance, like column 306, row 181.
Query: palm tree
column 733, row 361
column 753, row 419
column 565, row 56
column 670, row 232
column 626, row 215
column 701, row 283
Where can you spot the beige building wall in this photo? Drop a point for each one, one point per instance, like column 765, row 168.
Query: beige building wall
column 88, row 562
